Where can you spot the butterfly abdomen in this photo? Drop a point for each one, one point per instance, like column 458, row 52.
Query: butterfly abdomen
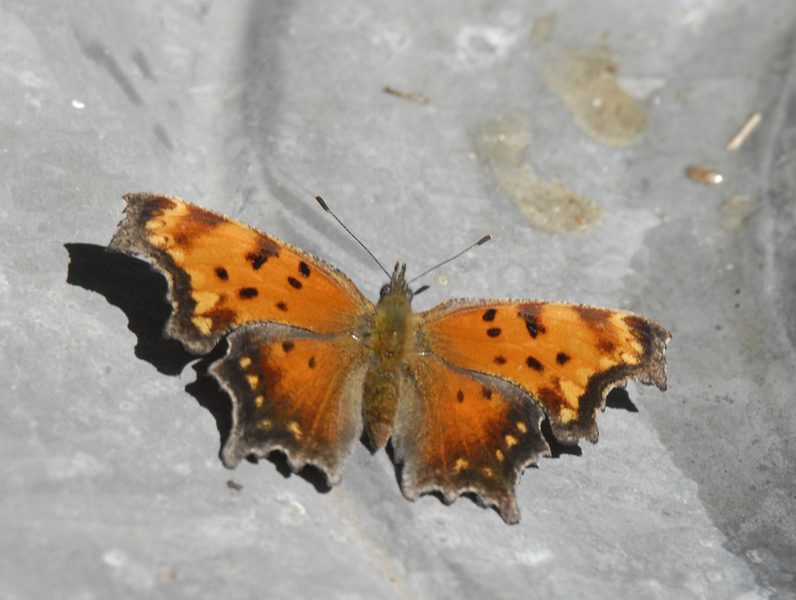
column 391, row 337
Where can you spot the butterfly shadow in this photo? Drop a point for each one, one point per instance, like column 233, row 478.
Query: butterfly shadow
column 616, row 398
column 619, row 398
column 140, row 292
column 131, row 285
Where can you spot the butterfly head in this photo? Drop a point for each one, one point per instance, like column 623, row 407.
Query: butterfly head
column 398, row 285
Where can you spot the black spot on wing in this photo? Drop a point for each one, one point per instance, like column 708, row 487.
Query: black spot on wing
column 489, row 315
column 493, row 332
column 304, row 269
column 288, row 346
column 562, row 358
column 222, row 274
column 247, row 293
column 534, row 364
column 265, row 250
column 533, row 328
column 281, row 306
column 486, row 393
column 500, row 360
column 532, row 321
column 294, row 283
column 460, row 396
column 256, row 259
column 312, row 363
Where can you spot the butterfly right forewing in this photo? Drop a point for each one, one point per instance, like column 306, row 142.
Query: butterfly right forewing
column 566, row 356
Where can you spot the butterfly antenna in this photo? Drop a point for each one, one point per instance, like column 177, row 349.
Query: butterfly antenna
column 483, row 240
column 329, row 210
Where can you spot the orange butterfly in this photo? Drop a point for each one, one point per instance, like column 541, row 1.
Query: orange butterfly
column 460, row 390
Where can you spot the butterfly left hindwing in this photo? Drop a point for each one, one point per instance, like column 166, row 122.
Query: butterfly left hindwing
column 294, row 391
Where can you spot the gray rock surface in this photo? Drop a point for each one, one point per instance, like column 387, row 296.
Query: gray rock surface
column 110, row 483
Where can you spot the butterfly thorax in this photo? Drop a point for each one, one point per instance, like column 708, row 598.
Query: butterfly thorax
column 391, row 337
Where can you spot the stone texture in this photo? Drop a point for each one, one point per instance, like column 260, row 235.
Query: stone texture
column 110, row 483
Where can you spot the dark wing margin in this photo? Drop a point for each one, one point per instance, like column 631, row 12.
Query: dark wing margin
column 649, row 370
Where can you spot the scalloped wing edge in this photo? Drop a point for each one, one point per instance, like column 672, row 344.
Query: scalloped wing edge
column 651, row 370
column 504, row 503
column 129, row 239
column 236, row 448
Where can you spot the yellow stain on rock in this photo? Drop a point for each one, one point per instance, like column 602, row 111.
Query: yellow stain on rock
column 586, row 80
column 542, row 30
column 552, row 207
column 735, row 211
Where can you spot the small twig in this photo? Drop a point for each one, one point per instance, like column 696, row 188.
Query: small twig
column 414, row 96
column 745, row 131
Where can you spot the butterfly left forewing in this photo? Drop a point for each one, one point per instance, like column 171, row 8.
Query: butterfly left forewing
column 223, row 273
column 567, row 356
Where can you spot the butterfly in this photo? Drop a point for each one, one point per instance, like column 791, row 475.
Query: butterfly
column 460, row 391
